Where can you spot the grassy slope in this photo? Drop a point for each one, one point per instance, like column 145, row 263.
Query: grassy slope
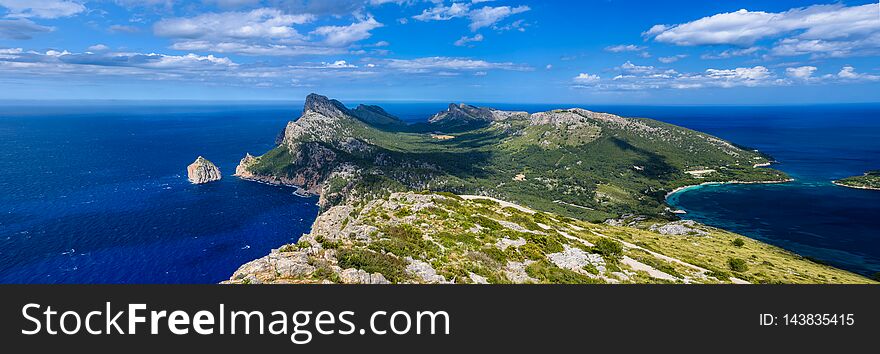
column 458, row 237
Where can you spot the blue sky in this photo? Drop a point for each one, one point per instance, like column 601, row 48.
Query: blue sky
column 601, row 52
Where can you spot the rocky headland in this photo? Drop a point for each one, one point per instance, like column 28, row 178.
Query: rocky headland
column 538, row 187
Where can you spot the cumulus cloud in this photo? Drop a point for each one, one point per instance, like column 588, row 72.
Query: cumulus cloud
column 584, row 78
column 21, row 29
column 464, row 40
column 255, row 49
column 638, row 77
column 42, row 8
column 136, row 65
column 624, row 48
column 848, row 73
column 488, row 16
column 98, row 48
column 263, row 31
column 819, row 30
column 436, row 64
column 259, row 23
column 801, row 72
column 485, row 16
column 730, row 53
column 345, row 35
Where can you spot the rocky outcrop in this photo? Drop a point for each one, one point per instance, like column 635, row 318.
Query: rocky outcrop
column 202, row 171
column 679, row 228
column 242, row 169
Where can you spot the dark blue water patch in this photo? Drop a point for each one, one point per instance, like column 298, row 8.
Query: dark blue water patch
column 101, row 196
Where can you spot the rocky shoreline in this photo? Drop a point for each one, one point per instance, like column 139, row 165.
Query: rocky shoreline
column 836, row 183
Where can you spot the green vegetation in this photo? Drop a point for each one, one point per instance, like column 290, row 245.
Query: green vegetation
column 870, row 180
column 388, row 265
column 609, row 248
column 578, row 164
column 550, row 273
column 737, row 265
column 738, row 242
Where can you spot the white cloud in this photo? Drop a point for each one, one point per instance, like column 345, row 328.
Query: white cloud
column 624, row 48
column 636, row 77
column 739, row 77
column 464, row 40
column 443, row 13
column 549, row 66
column 430, row 64
column 801, row 72
column 831, row 30
column 584, row 78
column 98, row 48
column 255, row 49
column 488, row 16
column 42, row 8
column 134, row 65
column 339, row 64
column 260, row 23
column 21, row 29
column 629, row 67
column 730, row 53
column 848, row 73
column 345, row 35
column 671, row 59
column 485, row 16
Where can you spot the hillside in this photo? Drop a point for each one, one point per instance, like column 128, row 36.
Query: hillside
column 869, row 180
column 444, row 238
column 574, row 162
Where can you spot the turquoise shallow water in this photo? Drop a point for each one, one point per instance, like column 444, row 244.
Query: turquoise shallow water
column 810, row 216
column 97, row 193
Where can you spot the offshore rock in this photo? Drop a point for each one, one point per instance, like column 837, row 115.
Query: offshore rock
column 203, row 171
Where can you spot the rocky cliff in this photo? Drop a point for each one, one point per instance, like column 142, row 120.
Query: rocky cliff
column 202, row 171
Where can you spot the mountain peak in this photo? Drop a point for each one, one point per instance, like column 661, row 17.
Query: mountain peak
column 375, row 115
column 463, row 113
column 326, row 106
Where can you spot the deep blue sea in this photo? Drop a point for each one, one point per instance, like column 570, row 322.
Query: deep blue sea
column 97, row 192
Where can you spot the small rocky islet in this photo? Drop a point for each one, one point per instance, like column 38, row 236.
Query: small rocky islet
column 202, row 171
column 400, row 206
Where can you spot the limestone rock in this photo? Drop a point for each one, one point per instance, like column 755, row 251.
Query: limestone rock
column 242, row 169
column 202, row 171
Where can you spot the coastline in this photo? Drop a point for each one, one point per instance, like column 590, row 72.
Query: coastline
column 836, row 183
column 299, row 191
column 693, row 186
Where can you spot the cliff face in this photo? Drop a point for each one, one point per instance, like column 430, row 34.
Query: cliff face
column 203, row 171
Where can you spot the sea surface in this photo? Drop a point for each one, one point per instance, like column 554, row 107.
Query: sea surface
column 96, row 192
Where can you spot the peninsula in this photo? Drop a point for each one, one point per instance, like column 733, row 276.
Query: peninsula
column 479, row 195
column 869, row 180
